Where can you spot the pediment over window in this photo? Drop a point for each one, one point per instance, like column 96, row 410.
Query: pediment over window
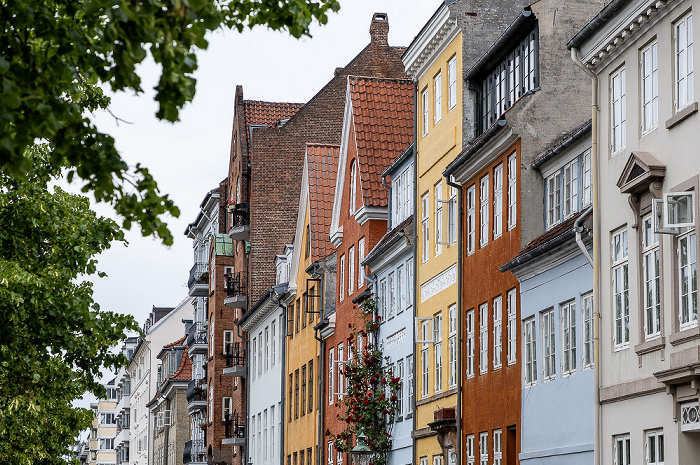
column 641, row 169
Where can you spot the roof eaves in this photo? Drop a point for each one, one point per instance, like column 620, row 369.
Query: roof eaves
column 594, row 24
column 474, row 146
column 406, row 154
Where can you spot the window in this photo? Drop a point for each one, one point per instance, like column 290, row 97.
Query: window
column 360, row 259
column 425, row 364
column 512, row 190
column 452, row 82
column 226, row 408
column 530, row 337
column 331, row 381
column 399, row 391
column 260, row 351
column 273, row 343
column 650, row 87
column 437, row 459
column 425, row 226
column 211, row 401
column 399, row 289
column 511, row 329
column 383, row 299
column 655, row 447
column 452, row 217
column 587, row 321
column 497, row 331
column 498, row 201
column 548, row 341
column 452, row 346
column 437, row 94
column 353, row 187
column 311, row 386
column 392, row 295
column 483, row 338
column 303, row 390
column 340, row 363
column 469, row 322
column 267, row 346
column 351, row 270
column 497, row 454
column 570, row 188
column 587, row 192
column 484, row 211
column 622, row 450
column 296, row 393
column 687, row 280
column 265, row 442
column 553, row 199
column 407, row 182
column 424, row 107
column 471, row 219
column 409, row 384
column 409, row 282
column 618, row 115
column 330, row 452
column 437, row 348
column 438, row 218
column 469, row 449
column 106, row 443
column 342, row 277
column 568, row 333
column 620, row 289
column 484, row 448
column 298, row 315
column 340, row 458
column 684, row 61
column 424, row 461
column 651, row 281
column 254, row 355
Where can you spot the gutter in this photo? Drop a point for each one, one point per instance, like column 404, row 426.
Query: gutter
column 474, row 146
column 593, row 25
column 557, row 149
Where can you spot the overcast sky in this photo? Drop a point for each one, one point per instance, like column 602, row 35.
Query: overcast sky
column 190, row 157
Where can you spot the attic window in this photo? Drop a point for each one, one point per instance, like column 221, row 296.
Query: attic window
column 379, row 17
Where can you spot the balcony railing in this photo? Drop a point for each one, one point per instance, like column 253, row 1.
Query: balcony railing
column 236, row 285
column 194, row 451
column 235, row 355
column 197, row 335
column 195, row 392
column 234, row 428
column 199, row 274
column 239, row 215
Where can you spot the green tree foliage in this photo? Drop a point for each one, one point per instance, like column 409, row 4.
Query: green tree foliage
column 55, row 339
column 51, row 51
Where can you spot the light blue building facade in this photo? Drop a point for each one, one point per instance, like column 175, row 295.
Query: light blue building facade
column 390, row 265
column 556, row 282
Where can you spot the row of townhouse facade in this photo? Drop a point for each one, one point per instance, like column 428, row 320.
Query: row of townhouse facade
column 514, row 191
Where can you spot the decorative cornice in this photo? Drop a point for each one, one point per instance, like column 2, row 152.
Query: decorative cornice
column 431, row 41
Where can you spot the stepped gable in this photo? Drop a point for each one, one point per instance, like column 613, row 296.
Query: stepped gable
column 322, row 160
column 382, row 112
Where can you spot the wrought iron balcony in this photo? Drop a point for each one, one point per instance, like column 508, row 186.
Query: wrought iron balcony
column 196, row 395
column 197, row 339
column 235, row 360
column 198, row 283
column 239, row 221
column 236, row 290
column 194, row 452
column 234, row 430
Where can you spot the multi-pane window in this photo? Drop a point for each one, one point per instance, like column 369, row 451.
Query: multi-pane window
column 471, row 219
column 586, row 179
column 452, row 82
column 438, row 218
column 311, row 387
column 469, row 452
column 511, row 328
column 684, row 61
column 424, row 114
column 342, row 277
column 498, row 201
column 570, row 188
column 331, row 375
column 652, row 280
column 392, row 295
column 437, row 459
column 400, row 289
column 621, row 308
column 425, row 363
column 484, row 211
column 618, row 116
column 483, row 338
column 548, row 344
column 497, row 447
column 353, row 190
column 483, row 448
column 622, row 450
column 553, row 199
column 512, row 190
column 351, row 270
column 360, row 259
column 254, row 354
column 437, row 102
column 655, row 447
column 409, row 384
column 330, row 453
column 425, row 226
column 437, row 347
column 452, row 349
column 273, row 343
column 399, row 391
column 469, row 322
column 303, row 390
column 340, row 377
column 687, row 280
column 587, row 331
column 650, row 87
column 530, row 341
column 409, row 282
column 401, row 187
column 296, row 394
column 452, row 216
column 383, row 299
column 568, row 334
column 497, row 331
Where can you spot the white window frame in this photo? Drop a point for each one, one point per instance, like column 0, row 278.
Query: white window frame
column 469, row 324
column 410, row 369
column 452, row 346
column 471, row 220
column 383, row 294
column 438, row 219
column 424, row 102
column 340, row 364
column 553, row 208
column 567, row 314
column 400, row 289
column 512, row 190
column 673, row 217
column 342, row 278
column 587, row 330
column 620, row 288
column 683, row 61
column 409, row 283
column 452, row 82
column 497, row 332
column 511, row 328
column 654, row 447
column 330, row 453
column 226, row 407
column 351, row 270
column 570, row 181
column 437, row 352
column 353, row 188
column 437, row 98
column 530, row 352
column 622, row 448
column 360, row 259
column 687, row 315
column 649, row 75
column 399, row 392
column 651, row 280
column 469, row 449
column 498, row 201
column 586, row 179
column 331, row 377
column 484, row 211
column 425, row 365
column 618, row 111
column 549, row 351
column 484, row 448
column 483, row 338
column 452, row 216
column 425, row 227
column 392, row 294
column 497, row 447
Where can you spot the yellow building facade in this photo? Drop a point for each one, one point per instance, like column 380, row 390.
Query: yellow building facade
column 434, row 62
column 104, row 429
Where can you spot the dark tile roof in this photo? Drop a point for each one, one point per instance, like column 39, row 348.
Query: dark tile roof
column 383, row 123
column 323, row 168
column 267, row 113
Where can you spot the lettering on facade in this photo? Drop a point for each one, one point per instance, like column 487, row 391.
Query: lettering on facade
column 439, row 283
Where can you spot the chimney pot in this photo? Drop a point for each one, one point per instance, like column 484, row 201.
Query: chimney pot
column 379, row 29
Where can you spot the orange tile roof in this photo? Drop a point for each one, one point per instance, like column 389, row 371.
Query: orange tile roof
column 184, row 371
column 383, row 121
column 179, row 342
column 267, row 113
column 323, row 166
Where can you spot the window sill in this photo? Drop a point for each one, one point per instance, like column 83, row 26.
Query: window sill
column 684, row 335
column 650, row 346
column 621, row 347
column 682, row 115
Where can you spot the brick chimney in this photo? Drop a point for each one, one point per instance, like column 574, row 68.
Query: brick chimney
column 379, row 29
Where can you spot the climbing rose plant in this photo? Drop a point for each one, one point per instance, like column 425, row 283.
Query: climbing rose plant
column 370, row 403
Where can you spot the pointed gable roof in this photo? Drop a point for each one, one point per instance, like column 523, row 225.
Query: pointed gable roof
column 322, row 160
column 179, row 342
column 641, row 169
column 184, row 371
column 382, row 116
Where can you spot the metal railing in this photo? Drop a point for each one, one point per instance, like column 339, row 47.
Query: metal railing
column 239, row 215
column 195, row 392
column 199, row 274
column 233, row 427
column 236, row 284
column 235, row 355
column 194, row 451
column 197, row 335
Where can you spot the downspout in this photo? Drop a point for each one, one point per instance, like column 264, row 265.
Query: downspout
column 247, row 387
column 321, row 394
column 579, row 229
column 450, row 182
column 415, row 261
column 597, row 440
column 284, row 376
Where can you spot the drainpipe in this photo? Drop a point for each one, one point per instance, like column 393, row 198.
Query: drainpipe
column 596, row 254
column 284, row 375
column 321, row 394
column 415, row 261
column 579, row 229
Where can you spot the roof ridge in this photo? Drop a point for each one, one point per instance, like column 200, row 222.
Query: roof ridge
column 273, row 103
column 380, row 78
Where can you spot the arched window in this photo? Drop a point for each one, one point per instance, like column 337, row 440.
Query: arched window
column 353, row 186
